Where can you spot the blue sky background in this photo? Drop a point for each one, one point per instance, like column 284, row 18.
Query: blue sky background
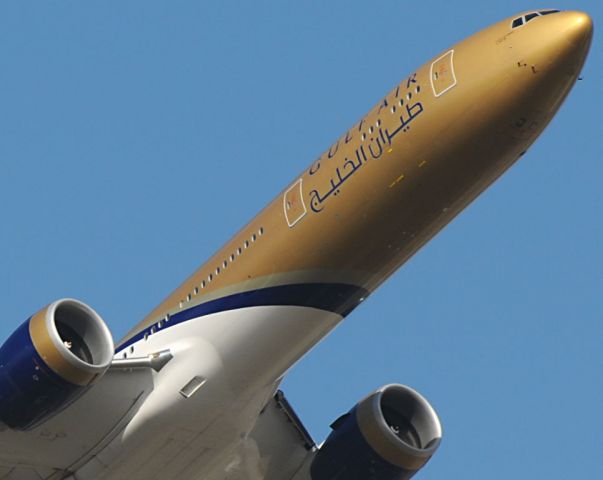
column 137, row 136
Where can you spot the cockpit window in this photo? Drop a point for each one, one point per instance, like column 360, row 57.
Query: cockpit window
column 519, row 21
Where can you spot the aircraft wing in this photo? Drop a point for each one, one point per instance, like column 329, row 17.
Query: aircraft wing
column 71, row 409
column 75, row 435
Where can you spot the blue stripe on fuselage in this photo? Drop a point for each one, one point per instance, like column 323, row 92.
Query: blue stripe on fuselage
column 338, row 298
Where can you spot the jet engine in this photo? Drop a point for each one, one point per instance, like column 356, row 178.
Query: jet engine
column 389, row 435
column 50, row 360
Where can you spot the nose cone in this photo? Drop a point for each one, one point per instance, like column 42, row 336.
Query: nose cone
column 578, row 29
column 561, row 43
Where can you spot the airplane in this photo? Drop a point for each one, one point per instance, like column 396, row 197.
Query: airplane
column 192, row 391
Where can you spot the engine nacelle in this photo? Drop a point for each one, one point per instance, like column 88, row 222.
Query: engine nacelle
column 50, row 360
column 389, row 435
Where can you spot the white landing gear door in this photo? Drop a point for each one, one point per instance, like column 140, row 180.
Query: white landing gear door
column 278, row 447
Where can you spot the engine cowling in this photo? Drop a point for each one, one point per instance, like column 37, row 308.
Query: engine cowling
column 389, row 435
column 50, row 360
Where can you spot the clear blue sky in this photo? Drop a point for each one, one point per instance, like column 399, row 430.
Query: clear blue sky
column 137, row 136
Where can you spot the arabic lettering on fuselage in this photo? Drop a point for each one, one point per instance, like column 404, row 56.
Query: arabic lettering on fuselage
column 376, row 143
column 344, row 172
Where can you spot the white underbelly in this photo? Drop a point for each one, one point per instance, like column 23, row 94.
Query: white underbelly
column 237, row 357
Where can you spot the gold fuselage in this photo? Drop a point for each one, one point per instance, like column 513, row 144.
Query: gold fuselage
column 405, row 170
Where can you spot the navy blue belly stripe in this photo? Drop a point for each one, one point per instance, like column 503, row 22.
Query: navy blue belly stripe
column 339, row 298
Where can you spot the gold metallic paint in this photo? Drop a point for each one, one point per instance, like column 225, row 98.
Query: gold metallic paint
column 46, row 348
column 509, row 84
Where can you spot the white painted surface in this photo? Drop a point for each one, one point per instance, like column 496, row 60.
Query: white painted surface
column 242, row 354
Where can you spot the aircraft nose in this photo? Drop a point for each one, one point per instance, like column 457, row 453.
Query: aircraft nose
column 566, row 40
column 579, row 28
